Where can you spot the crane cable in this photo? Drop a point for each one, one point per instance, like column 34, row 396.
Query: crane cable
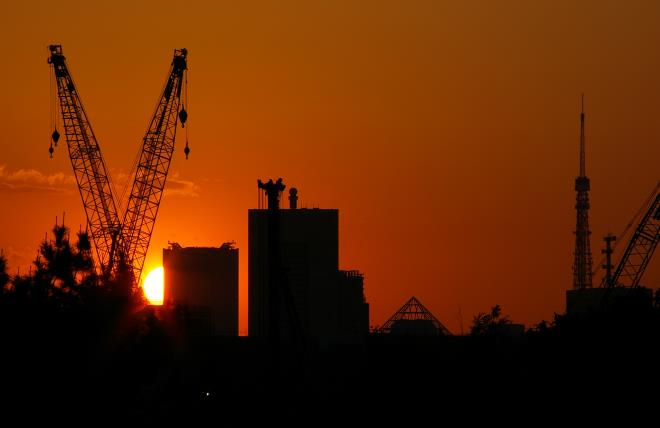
column 186, row 105
column 52, row 107
column 130, row 177
column 123, row 199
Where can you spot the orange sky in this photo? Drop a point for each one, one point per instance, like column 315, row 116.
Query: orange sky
column 446, row 133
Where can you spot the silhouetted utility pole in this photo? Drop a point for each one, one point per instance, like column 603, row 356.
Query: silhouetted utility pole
column 608, row 257
column 582, row 256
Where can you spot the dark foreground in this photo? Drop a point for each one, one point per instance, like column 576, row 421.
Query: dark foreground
column 149, row 371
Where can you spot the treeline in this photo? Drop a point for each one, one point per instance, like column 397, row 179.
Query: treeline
column 78, row 346
column 72, row 340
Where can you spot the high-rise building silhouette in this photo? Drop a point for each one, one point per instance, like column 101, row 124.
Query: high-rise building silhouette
column 204, row 282
column 296, row 270
column 582, row 262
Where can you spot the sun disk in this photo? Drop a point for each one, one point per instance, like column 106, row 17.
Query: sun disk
column 154, row 286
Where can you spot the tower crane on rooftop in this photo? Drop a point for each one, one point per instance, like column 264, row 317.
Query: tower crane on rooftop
column 120, row 238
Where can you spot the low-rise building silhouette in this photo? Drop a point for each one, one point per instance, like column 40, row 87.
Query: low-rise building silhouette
column 413, row 319
column 203, row 281
column 592, row 301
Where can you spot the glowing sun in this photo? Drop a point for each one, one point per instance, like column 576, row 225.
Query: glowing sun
column 154, row 285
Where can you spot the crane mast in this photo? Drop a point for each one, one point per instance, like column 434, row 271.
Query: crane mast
column 127, row 241
column 87, row 162
column 640, row 248
column 154, row 163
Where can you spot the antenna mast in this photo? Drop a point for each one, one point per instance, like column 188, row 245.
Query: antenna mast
column 582, row 256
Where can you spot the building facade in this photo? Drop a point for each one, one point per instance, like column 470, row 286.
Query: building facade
column 204, row 280
column 316, row 299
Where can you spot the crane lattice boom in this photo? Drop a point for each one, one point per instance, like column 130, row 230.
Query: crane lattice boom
column 155, row 159
column 640, row 248
column 87, row 162
column 126, row 240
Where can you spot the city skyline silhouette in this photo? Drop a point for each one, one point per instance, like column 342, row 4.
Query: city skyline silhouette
column 446, row 135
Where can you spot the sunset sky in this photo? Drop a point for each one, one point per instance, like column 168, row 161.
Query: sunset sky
column 446, row 133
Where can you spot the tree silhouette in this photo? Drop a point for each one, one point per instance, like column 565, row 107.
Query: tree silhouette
column 63, row 275
column 485, row 324
column 4, row 276
column 74, row 334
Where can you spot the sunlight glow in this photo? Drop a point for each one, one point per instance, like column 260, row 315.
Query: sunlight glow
column 154, row 285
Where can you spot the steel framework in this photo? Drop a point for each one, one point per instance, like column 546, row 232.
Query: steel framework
column 640, row 249
column 413, row 310
column 154, row 163
column 87, row 162
column 126, row 240
column 582, row 262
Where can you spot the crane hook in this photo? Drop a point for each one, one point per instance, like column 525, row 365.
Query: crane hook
column 50, row 150
column 186, row 151
column 55, row 136
column 183, row 115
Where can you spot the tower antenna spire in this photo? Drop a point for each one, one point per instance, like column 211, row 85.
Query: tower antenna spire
column 582, row 262
column 583, row 171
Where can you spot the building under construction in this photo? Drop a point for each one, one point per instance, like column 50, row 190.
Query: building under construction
column 293, row 263
column 203, row 281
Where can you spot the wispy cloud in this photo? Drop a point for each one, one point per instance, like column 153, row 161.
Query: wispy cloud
column 174, row 186
column 119, row 178
column 177, row 186
column 213, row 180
column 31, row 180
column 19, row 258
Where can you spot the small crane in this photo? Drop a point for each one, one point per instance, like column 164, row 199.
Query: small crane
column 640, row 248
column 124, row 238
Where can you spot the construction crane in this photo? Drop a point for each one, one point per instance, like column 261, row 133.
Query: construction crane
column 155, row 158
column 125, row 240
column 640, row 248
